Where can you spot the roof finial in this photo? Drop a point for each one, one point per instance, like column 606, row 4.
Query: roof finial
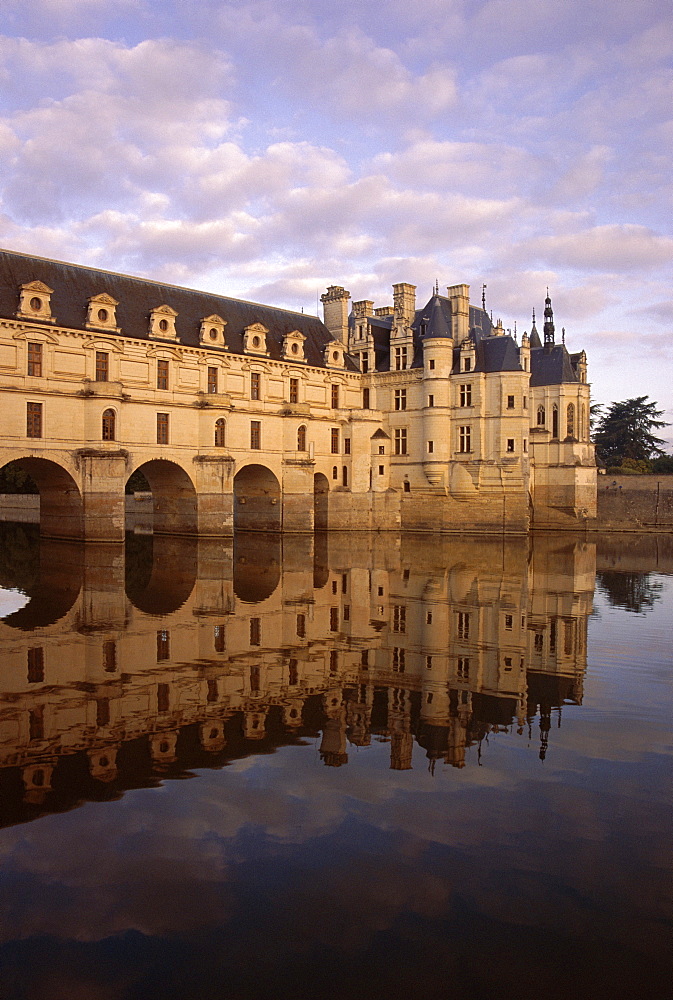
column 563, row 334
column 483, row 297
column 436, row 289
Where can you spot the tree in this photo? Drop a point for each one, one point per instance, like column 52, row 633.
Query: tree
column 625, row 430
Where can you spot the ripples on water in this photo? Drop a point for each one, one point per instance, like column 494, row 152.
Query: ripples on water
column 424, row 769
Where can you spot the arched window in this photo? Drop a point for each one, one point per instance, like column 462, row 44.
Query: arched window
column 570, row 420
column 301, row 438
column 220, row 426
column 541, row 416
column 583, row 425
column 335, row 472
column 109, row 425
column 554, row 421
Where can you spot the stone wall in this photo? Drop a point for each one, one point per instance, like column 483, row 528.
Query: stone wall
column 635, row 503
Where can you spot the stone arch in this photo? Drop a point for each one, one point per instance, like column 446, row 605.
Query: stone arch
column 173, row 496
column 257, row 499
column 257, row 565
column 61, row 507
column 160, row 572
column 320, row 501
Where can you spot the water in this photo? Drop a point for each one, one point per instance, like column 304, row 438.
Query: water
column 355, row 767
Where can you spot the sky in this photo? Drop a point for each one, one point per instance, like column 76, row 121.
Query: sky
column 266, row 149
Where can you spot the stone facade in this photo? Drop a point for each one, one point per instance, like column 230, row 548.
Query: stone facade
column 246, row 416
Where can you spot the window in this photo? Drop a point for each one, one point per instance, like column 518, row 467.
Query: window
column 364, row 363
column 333, row 661
column 36, row 665
column 108, row 425
column 102, row 366
column 381, row 470
column 464, row 625
column 382, row 449
column 301, row 438
column 255, row 631
column 334, row 440
column 301, row 626
column 335, row 472
column 255, row 385
column 554, row 421
column 294, row 392
column 219, row 638
column 509, row 622
column 510, row 444
column 407, row 486
column 525, row 402
column 431, row 447
column 334, row 619
column 570, row 420
column 344, row 583
column 102, row 712
column 582, row 423
column 335, row 397
column 162, row 428
column 365, row 399
column 400, row 399
column 510, row 402
column 525, row 445
column 220, row 432
column 364, row 658
column 163, row 644
column 255, row 677
column 344, row 475
column 211, row 696
column 399, row 659
column 539, row 642
column 212, row 380
column 109, row 656
column 467, row 364
column 541, row 416
column 255, row 434
column 428, row 663
column 428, row 618
column 34, row 358
column 400, row 358
column 400, row 440
column 162, row 374
column 293, row 672
column 431, row 400
column 347, row 446
column 466, row 394
column 36, row 724
column 347, row 612
column 399, row 617
column 34, row 420
column 163, row 698
column 465, row 440
column 463, row 667
column 431, row 364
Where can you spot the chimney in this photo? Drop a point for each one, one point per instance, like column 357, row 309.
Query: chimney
column 459, row 296
column 335, row 311
column 404, row 303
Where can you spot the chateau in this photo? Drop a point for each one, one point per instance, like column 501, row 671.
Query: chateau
column 245, row 416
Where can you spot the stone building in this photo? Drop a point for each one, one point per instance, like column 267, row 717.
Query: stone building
column 242, row 415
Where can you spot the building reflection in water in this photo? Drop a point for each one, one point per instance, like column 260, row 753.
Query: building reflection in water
column 129, row 666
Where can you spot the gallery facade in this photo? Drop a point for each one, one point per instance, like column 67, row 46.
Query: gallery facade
column 246, row 416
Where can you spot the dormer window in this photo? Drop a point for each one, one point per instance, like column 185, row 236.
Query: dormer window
column 101, row 312
column 334, row 354
column 162, row 323
column 254, row 339
column 293, row 346
column 212, row 331
column 35, row 301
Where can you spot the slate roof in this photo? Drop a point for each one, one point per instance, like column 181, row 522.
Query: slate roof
column 551, row 367
column 75, row 284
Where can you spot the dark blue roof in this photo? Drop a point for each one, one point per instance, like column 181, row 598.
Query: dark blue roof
column 74, row 285
column 551, row 367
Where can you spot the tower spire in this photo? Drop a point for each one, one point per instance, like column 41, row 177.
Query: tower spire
column 548, row 322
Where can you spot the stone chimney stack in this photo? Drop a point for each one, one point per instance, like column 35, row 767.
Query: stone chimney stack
column 335, row 310
column 404, row 303
column 459, row 296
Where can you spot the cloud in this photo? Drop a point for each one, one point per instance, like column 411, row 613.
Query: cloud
column 626, row 247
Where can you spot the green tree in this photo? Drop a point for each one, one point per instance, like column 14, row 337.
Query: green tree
column 626, row 430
